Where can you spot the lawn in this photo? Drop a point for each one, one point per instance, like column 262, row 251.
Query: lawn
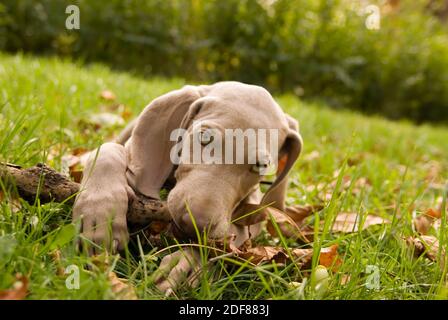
column 395, row 170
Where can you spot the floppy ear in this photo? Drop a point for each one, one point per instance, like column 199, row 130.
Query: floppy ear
column 149, row 163
column 288, row 155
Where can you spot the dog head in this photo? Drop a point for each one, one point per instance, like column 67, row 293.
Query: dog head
column 220, row 141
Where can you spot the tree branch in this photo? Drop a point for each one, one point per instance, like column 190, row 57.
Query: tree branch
column 48, row 185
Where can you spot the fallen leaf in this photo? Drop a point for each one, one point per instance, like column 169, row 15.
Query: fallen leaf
column 424, row 222
column 312, row 156
column 14, row 202
column 355, row 160
column 108, row 95
column 298, row 213
column 121, row 288
column 157, row 227
column 257, row 255
column 349, row 222
column 291, row 222
column 329, row 257
column 106, row 119
column 19, row 290
column 434, row 170
column 286, row 224
column 126, row 114
column 76, row 175
column 74, row 164
column 427, row 245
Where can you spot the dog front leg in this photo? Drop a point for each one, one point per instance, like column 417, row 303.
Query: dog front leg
column 102, row 203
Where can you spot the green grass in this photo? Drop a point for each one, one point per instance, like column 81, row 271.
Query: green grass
column 45, row 104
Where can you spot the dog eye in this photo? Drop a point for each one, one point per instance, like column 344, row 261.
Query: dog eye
column 205, row 137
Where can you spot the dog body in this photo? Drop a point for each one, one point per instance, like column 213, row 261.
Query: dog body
column 141, row 161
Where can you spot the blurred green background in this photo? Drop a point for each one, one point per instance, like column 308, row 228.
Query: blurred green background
column 316, row 49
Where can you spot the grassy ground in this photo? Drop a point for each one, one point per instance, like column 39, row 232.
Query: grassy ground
column 395, row 170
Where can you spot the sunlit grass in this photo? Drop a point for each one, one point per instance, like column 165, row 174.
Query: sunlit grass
column 44, row 103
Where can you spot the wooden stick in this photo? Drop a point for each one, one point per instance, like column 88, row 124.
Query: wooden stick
column 48, row 185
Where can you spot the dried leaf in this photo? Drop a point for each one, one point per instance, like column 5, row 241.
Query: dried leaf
column 427, row 245
column 76, row 175
column 13, row 201
column 329, row 257
column 122, row 289
column 299, row 213
column 280, row 255
column 434, row 171
column 258, row 255
column 303, row 255
column 349, row 222
column 74, row 164
column 106, row 119
column 291, row 222
column 312, row 156
column 424, row 222
column 19, row 290
column 108, row 95
column 157, row 227
column 286, row 224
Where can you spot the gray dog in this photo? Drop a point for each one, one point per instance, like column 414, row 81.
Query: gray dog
column 141, row 162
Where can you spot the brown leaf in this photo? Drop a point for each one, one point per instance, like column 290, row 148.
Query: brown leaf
column 14, row 202
column 427, row 245
column 291, row 222
column 299, row 213
column 329, row 257
column 108, row 95
column 260, row 254
column 303, row 255
column 120, row 287
column 424, row 222
column 76, row 175
column 126, row 114
column 19, row 290
column 157, row 227
column 349, row 222
column 286, row 224
column 280, row 255
column 434, row 170
column 75, row 163
column 355, row 160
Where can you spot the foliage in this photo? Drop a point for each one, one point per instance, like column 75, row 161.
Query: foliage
column 318, row 49
column 350, row 164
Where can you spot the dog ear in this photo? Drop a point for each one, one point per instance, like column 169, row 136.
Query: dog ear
column 288, row 155
column 149, row 163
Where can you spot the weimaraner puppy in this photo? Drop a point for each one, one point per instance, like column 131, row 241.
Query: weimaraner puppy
column 141, row 161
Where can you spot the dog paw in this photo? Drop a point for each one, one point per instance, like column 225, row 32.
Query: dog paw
column 178, row 268
column 102, row 218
